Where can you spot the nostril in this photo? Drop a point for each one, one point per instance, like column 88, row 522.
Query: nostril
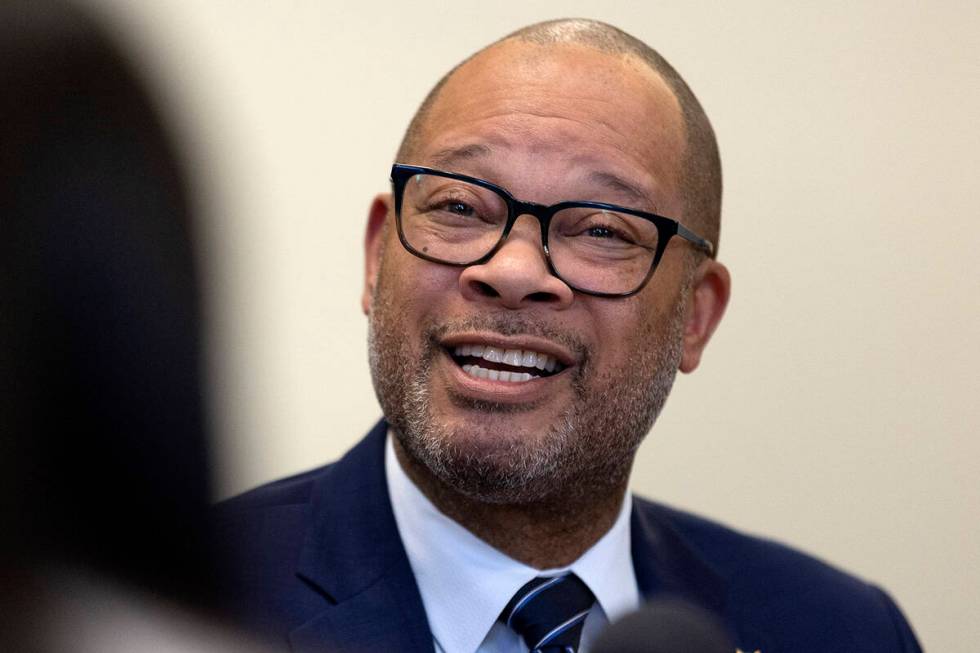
column 542, row 297
column 483, row 289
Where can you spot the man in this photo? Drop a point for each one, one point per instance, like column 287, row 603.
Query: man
column 529, row 306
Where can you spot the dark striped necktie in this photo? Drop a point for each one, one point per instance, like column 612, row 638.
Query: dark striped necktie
column 548, row 613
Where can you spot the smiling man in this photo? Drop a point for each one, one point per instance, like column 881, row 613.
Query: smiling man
column 543, row 267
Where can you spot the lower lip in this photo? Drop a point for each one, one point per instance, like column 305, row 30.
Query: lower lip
column 501, row 391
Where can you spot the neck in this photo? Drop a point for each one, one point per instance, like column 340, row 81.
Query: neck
column 545, row 534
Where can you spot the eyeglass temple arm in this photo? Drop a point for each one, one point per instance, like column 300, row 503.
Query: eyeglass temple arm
column 700, row 242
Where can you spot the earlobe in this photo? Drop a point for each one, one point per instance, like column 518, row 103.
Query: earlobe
column 374, row 246
column 707, row 303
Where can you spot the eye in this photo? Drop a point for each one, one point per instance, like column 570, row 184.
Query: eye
column 600, row 231
column 591, row 229
column 602, row 227
column 459, row 208
column 455, row 203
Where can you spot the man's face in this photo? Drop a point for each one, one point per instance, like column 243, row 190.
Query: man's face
column 548, row 124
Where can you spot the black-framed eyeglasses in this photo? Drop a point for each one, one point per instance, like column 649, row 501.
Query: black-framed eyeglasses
column 596, row 248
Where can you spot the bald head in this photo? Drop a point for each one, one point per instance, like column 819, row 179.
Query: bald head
column 699, row 176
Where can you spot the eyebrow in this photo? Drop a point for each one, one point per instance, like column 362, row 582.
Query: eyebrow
column 633, row 194
column 453, row 155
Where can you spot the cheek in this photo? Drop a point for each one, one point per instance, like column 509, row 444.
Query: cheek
column 413, row 292
column 629, row 328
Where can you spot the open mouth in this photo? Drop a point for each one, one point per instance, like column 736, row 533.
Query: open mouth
column 512, row 365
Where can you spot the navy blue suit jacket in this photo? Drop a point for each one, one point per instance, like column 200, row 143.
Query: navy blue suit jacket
column 318, row 564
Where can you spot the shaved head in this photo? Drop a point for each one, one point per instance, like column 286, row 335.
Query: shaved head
column 700, row 168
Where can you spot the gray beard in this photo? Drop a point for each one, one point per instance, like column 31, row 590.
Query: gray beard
column 588, row 450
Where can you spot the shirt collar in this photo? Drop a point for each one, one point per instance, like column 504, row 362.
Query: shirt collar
column 465, row 583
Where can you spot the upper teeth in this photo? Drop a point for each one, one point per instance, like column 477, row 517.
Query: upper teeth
column 513, row 357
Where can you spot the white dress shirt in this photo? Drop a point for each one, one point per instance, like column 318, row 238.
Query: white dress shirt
column 465, row 583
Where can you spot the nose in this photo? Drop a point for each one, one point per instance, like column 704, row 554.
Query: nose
column 517, row 276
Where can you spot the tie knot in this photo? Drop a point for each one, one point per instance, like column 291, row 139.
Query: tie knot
column 548, row 613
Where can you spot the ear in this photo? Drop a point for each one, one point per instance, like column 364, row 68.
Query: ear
column 709, row 297
column 381, row 207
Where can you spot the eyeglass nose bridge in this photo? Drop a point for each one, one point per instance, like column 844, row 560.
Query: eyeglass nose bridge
column 516, row 209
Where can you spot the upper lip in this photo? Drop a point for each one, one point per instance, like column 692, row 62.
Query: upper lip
column 533, row 343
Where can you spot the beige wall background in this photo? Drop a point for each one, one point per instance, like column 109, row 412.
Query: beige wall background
column 837, row 408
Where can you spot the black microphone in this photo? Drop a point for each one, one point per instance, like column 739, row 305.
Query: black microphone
column 666, row 626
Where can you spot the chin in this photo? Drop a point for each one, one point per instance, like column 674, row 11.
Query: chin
column 492, row 461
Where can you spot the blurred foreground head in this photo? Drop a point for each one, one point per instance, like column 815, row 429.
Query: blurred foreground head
column 102, row 440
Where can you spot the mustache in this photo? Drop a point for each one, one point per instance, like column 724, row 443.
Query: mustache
column 508, row 324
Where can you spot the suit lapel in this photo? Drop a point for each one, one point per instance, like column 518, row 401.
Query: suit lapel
column 666, row 565
column 354, row 557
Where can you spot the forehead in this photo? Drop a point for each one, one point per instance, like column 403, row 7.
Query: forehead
column 566, row 111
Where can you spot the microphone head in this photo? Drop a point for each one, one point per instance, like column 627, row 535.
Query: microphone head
column 666, row 626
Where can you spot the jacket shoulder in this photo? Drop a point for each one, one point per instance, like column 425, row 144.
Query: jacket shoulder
column 283, row 492
column 258, row 542
column 788, row 599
